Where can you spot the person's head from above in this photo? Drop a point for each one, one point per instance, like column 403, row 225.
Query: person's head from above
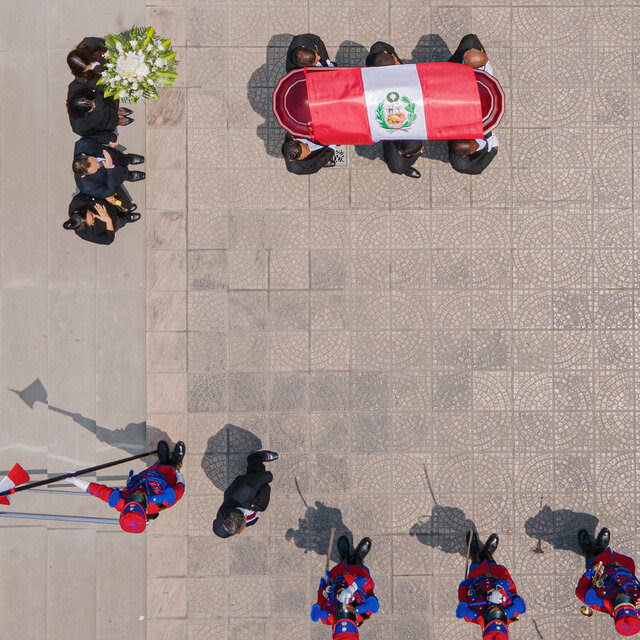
column 234, row 522
column 305, row 57
column 475, row 58
column 465, row 147
column 84, row 165
column 133, row 518
column 295, row 150
column 81, row 103
column 385, row 59
column 409, row 148
column 82, row 61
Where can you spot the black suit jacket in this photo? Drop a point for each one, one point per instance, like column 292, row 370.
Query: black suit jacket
column 249, row 491
column 473, row 164
column 312, row 163
column 309, row 41
column 376, row 48
column 103, row 182
column 396, row 162
column 470, row 41
column 98, row 232
column 101, row 122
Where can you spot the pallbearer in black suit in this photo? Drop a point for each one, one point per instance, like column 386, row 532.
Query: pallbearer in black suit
column 100, row 169
column 399, row 155
column 304, row 157
column 247, row 496
column 91, row 114
column 307, row 50
column 472, row 156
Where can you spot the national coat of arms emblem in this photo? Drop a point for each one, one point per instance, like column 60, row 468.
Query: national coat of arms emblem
column 396, row 112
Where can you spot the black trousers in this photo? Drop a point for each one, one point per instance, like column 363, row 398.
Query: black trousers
column 255, row 464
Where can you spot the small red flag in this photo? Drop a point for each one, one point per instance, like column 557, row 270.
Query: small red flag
column 16, row 476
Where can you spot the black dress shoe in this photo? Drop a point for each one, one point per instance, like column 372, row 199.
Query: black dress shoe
column 163, row 452
column 132, row 158
column 412, row 173
column 363, row 548
column 134, row 217
column 344, row 549
column 330, row 163
column 127, row 112
column 137, row 175
column 127, row 121
column 180, row 449
column 586, row 546
column 603, row 539
column 132, row 208
column 268, row 456
column 490, row 547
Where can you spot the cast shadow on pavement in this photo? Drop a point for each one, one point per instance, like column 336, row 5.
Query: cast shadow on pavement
column 261, row 85
column 134, row 438
column 430, row 48
column 559, row 528
column 445, row 529
column 314, row 530
column 226, row 454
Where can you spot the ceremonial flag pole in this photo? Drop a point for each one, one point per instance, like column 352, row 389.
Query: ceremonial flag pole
column 46, row 516
column 72, row 474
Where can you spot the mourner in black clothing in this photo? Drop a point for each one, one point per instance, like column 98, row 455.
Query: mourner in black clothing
column 307, row 50
column 381, row 54
column 85, row 61
column 302, row 160
column 99, row 170
column 246, row 497
column 466, row 156
column 97, row 220
column 90, row 113
column 400, row 156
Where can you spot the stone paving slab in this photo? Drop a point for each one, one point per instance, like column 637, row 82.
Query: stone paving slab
column 424, row 354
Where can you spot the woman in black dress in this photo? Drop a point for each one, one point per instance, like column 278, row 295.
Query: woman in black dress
column 97, row 220
column 85, row 63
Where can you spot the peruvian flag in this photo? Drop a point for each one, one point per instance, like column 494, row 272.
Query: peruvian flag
column 426, row 101
column 16, row 476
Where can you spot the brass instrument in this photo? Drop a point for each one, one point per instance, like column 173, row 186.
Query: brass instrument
column 596, row 581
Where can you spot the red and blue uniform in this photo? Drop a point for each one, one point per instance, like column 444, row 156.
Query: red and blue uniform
column 618, row 577
column 162, row 485
column 344, row 576
column 484, row 578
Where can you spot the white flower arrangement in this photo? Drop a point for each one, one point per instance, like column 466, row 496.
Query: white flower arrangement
column 136, row 64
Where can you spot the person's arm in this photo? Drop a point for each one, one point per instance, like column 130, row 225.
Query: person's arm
column 478, row 165
column 101, row 491
column 516, row 607
column 316, row 161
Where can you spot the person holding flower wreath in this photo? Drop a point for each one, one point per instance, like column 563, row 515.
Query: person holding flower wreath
column 88, row 109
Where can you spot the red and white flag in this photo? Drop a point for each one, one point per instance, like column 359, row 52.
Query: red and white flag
column 426, row 101
column 16, row 476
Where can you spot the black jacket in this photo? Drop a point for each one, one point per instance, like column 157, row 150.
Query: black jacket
column 98, row 232
column 249, row 491
column 309, row 41
column 101, row 122
column 396, row 162
column 376, row 48
column 473, row 164
column 103, row 182
column 470, row 41
column 312, row 163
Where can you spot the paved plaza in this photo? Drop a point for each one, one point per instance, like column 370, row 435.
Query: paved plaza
column 425, row 355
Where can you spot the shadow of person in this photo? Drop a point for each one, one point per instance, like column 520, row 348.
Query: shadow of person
column 261, row 85
column 560, row 528
column 314, row 530
column 226, row 454
column 445, row 529
column 134, row 438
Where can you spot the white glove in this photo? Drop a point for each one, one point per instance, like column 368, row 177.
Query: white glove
column 495, row 597
column 346, row 595
column 78, row 482
column 179, row 477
